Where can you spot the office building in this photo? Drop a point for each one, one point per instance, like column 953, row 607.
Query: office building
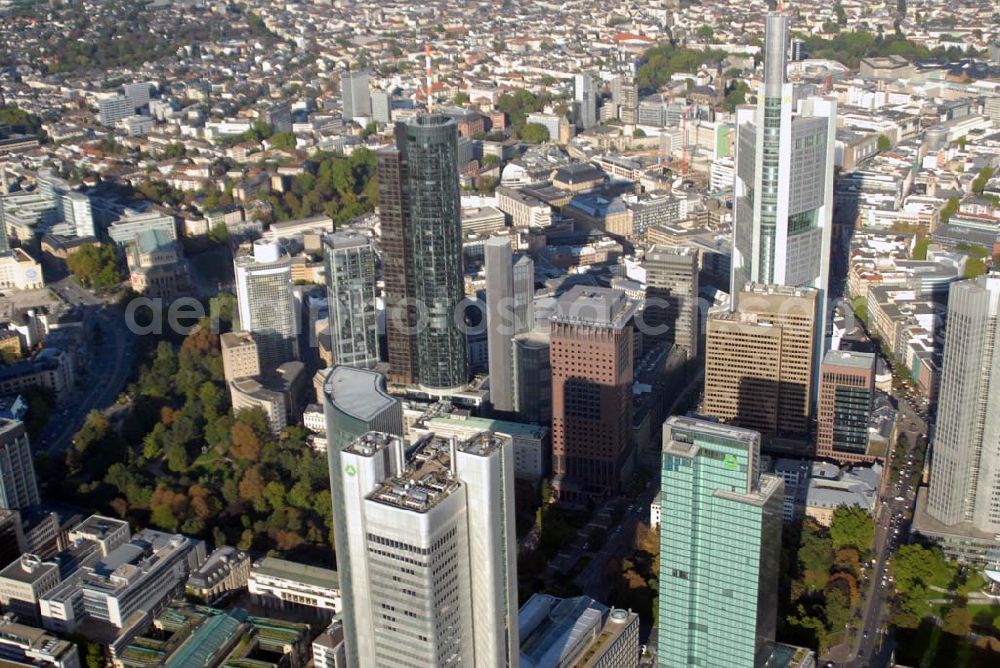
column 266, row 307
column 671, row 313
column 844, row 408
column 720, row 545
column 22, row 645
column 137, row 93
column 510, row 287
column 584, row 101
column 110, row 110
column 576, row 631
column 286, row 585
column 381, row 106
column 18, row 485
column 532, row 380
column 355, row 95
column 963, row 496
column 420, row 212
column 134, row 580
column 23, row 582
column 430, row 530
column 77, row 212
column 239, row 355
column 625, row 95
column 350, row 285
column 783, row 191
column 106, row 532
column 591, row 354
column 758, row 361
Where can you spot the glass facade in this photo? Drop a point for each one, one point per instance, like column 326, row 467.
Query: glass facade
column 350, row 283
column 435, row 236
column 719, row 548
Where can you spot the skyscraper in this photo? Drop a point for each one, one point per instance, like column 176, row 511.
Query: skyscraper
column 264, row 297
column 584, row 101
column 18, row 486
column 783, row 189
column 532, row 379
column 355, row 94
column 720, row 544
column 625, row 94
column 510, row 287
column 672, row 296
column 758, row 360
column 430, row 539
column 846, row 391
column 350, row 284
column 421, row 228
column 591, row 355
column 964, row 490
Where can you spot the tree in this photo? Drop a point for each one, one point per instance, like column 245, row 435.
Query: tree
column 705, row 33
column 852, row 527
column 245, row 442
column 638, row 133
column 283, row 141
column 974, row 266
column 534, row 133
column 815, row 556
column 958, row 621
column 949, row 209
column 461, row 98
column 884, row 143
column 979, row 184
column 96, row 266
column 917, row 566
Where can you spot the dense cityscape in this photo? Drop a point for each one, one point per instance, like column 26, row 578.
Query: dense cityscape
column 500, row 334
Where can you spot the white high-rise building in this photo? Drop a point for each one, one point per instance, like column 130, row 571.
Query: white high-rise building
column 964, row 492
column 584, row 101
column 266, row 307
column 510, row 287
column 355, row 94
column 431, row 545
column 783, row 190
column 78, row 213
column 350, row 285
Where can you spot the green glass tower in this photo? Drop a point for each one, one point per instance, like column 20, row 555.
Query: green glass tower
column 720, row 542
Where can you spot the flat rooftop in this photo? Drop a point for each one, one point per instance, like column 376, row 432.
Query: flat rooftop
column 294, row 571
column 359, row 393
column 586, row 305
column 851, row 359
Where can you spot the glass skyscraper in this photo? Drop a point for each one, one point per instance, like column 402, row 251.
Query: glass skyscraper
column 266, row 308
column 350, row 284
column 421, row 224
column 720, row 542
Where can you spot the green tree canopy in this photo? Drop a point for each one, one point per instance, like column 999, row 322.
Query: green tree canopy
column 534, row 133
column 852, row 527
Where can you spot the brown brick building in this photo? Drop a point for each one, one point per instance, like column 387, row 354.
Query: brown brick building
column 591, row 356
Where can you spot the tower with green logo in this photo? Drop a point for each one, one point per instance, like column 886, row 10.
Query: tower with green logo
column 720, row 540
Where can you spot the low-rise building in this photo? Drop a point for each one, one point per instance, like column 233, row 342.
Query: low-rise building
column 579, row 632
column 22, row 645
column 287, row 585
column 226, row 570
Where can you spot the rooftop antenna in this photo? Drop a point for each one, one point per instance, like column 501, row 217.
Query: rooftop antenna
column 430, row 76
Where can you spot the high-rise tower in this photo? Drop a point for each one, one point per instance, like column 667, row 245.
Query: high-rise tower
column 783, row 188
column 18, row 485
column 720, row 545
column 266, row 307
column 509, row 291
column 421, row 228
column 350, row 285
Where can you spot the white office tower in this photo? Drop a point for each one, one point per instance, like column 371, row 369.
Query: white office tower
column 266, row 307
column 584, row 101
column 78, row 213
column 18, row 485
column 430, row 539
column 355, row 94
column 783, row 191
column 510, row 287
column 964, row 490
column 350, row 284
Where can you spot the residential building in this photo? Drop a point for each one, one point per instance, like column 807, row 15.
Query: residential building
column 510, row 287
column 783, row 193
column 350, row 285
column 439, row 502
column 266, row 307
column 290, row 586
column 576, row 631
column 591, row 354
column 720, row 547
column 110, row 110
column 420, row 212
column 844, row 409
column 671, row 312
column 759, row 360
column 18, row 484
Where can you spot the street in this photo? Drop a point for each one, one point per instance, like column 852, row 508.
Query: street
column 110, row 362
column 891, row 525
